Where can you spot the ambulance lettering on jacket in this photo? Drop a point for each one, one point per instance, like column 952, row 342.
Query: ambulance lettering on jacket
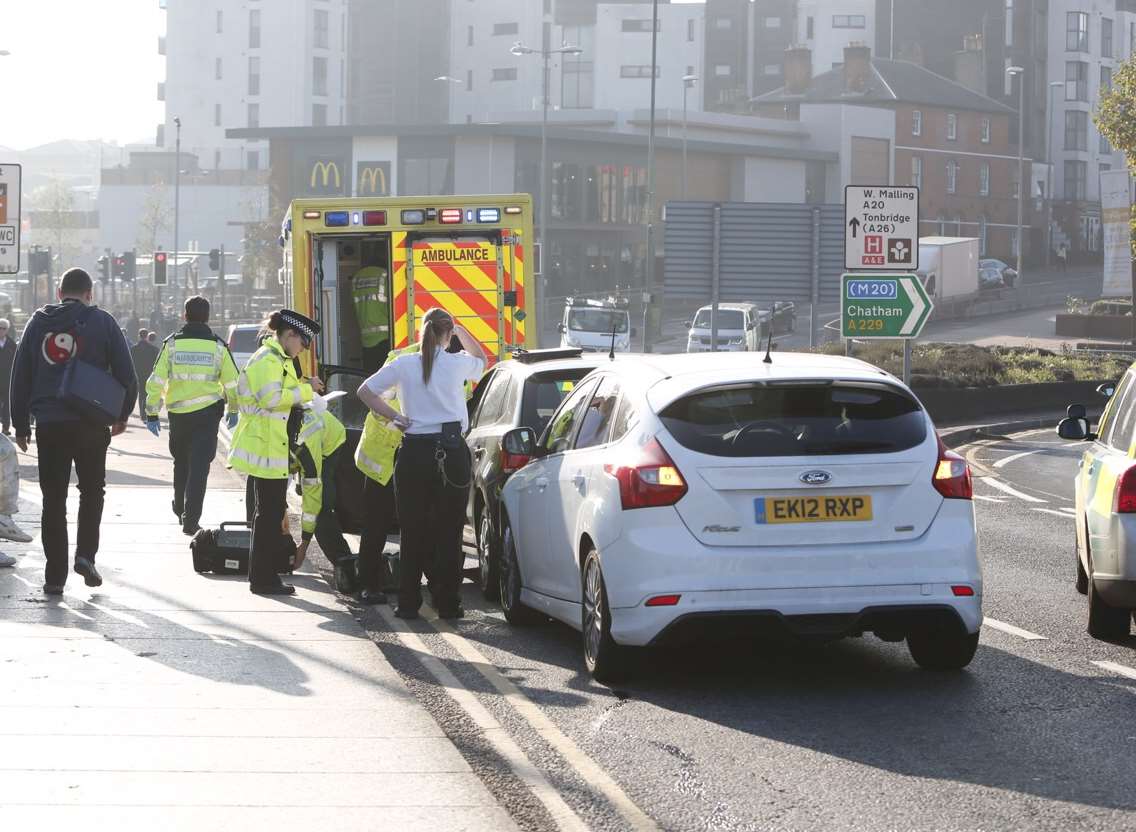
column 455, row 255
column 59, row 347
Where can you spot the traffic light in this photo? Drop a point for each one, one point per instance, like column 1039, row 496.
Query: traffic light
column 129, row 265
column 118, row 266
column 160, row 278
column 215, row 259
column 104, row 269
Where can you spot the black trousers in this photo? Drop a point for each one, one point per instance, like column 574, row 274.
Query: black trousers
column 5, row 409
column 431, row 515
column 329, row 531
column 61, row 445
column 378, row 524
column 193, row 445
column 374, row 357
column 267, row 519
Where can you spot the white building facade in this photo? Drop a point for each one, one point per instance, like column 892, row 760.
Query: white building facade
column 827, row 26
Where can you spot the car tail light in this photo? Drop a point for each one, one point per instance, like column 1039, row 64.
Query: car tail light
column 511, row 463
column 663, row 601
column 963, row 591
column 649, row 479
column 952, row 475
column 1124, row 497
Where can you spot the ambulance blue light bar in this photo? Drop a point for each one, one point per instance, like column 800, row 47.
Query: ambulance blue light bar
column 414, row 216
column 489, row 215
column 337, row 218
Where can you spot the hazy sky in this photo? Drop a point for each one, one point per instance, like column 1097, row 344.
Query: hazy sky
column 79, row 69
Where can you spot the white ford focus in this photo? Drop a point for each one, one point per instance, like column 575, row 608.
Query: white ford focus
column 673, row 497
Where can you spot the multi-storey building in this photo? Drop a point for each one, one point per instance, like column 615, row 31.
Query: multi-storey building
column 247, row 63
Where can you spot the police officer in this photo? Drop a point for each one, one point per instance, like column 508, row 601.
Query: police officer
column 268, row 388
column 372, row 308
column 432, row 472
column 195, row 375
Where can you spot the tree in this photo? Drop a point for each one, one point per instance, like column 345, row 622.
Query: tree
column 154, row 221
column 54, row 207
column 1116, row 117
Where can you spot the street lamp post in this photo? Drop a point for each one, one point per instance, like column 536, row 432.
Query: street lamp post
column 1053, row 85
column 518, row 49
column 688, row 81
column 1020, row 73
column 648, row 298
column 177, row 201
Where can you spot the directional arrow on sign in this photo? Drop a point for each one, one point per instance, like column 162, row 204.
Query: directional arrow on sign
column 854, row 224
column 920, row 304
column 883, row 306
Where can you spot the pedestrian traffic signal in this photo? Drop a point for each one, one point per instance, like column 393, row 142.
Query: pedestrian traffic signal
column 118, row 266
column 160, row 278
column 129, row 265
column 104, row 269
column 215, row 259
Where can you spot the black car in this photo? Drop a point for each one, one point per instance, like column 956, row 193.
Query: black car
column 523, row 392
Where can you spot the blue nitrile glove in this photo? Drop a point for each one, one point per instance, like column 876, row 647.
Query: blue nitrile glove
column 231, row 421
column 154, row 426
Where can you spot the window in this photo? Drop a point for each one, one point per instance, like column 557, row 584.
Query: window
column 625, row 419
column 558, row 436
column 220, row 21
column 1105, row 80
column 722, row 70
column 638, row 71
column 771, row 70
column 1076, row 81
column 1009, row 22
column 216, row 158
column 638, row 24
column 1120, row 423
column 723, row 23
column 254, row 76
column 1077, row 32
column 469, row 80
column 254, row 29
column 253, row 114
column 952, row 176
column 505, row 28
column 772, row 23
column 984, row 179
column 755, row 420
column 217, row 114
column 1076, row 176
column 1076, row 130
column 493, row 401
column 984, row 130
column 810, row 28
column 217, row 66
column 1105, row 146
column 849, row 21
column 321, row 33
column 917, row 171
column 544, row 392
column 507, row 74
column 469, row 36
column 596, row 422
column 319, row 76
column 253, row 162
column 577, row 80
column 1106, row 37
column 690, row 33
column 952, row 127
column 319, row 115
column 917, row 122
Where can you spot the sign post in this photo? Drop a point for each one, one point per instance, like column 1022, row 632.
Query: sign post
column 884, row 306
column 10, row 218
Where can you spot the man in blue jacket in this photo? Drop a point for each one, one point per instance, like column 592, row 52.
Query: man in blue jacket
column 71, row 330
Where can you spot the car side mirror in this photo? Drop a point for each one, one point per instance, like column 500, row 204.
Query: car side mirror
column 518, row 448
column 688, row 324
column 561, row 328
column 1073, row 429
column 1107, row 390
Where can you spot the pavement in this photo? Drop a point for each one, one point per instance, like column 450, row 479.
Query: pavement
column 165, row 699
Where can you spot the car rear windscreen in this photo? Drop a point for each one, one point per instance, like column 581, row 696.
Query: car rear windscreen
column 543, row 394
column 727, row 319
column 796, row 419
column 244, row 340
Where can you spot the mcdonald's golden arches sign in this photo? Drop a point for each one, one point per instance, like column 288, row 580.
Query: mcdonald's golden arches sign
column 372, row 179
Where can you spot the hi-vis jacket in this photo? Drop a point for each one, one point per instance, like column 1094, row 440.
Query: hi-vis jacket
column 194, row 370
column 267, row 391
column 372, row 309
column 374, row 456
column 320, row 436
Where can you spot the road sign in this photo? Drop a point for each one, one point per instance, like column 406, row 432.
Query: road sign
column 9, row 219
column 881, row 228
column 883, row 306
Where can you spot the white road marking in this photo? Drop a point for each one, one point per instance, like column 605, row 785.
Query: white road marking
column 1118, row 669
column 1001, row 486
column 1060, row 514
column 494, row 732
column 995, row 624
column 1072, row 512
column 990, row 499
column 588, row 769
column 1002, row 463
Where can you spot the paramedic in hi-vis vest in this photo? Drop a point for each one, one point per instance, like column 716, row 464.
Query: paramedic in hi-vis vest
column 433, row 472
column 372, row 307
column 195, row 375
column 268, row 388
column 315, row 457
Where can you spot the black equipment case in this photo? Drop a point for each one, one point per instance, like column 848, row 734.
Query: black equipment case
column 225, row 551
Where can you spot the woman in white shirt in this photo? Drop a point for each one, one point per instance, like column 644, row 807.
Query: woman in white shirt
column 432, row 474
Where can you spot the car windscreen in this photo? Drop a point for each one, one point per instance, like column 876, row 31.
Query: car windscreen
column 543, row 394
column 244, row 340
column 598, row 320
column 727, row 319
column 796, row 419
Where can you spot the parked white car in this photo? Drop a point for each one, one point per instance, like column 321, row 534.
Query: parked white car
column 741, row 328
column 672, row 496
column 243, row 341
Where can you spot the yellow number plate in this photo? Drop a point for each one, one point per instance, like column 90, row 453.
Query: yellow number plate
column 838, row 508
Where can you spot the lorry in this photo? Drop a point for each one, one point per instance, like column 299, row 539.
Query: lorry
column 596, row 324
column 948, row 266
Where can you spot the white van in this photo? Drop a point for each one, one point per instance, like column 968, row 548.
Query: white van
column 590, row 324
column 740, row 328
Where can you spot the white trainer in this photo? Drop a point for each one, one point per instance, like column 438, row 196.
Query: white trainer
column 10, row 531
column 6, row 559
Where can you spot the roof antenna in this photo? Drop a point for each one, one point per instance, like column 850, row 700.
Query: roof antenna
column 769, row 346
column 614, row 327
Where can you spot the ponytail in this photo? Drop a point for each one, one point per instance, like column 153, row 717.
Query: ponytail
column 437, row 327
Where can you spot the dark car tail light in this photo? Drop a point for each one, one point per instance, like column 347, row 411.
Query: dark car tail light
column 1124, row 497
column 952, row 475
column 648, row 479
